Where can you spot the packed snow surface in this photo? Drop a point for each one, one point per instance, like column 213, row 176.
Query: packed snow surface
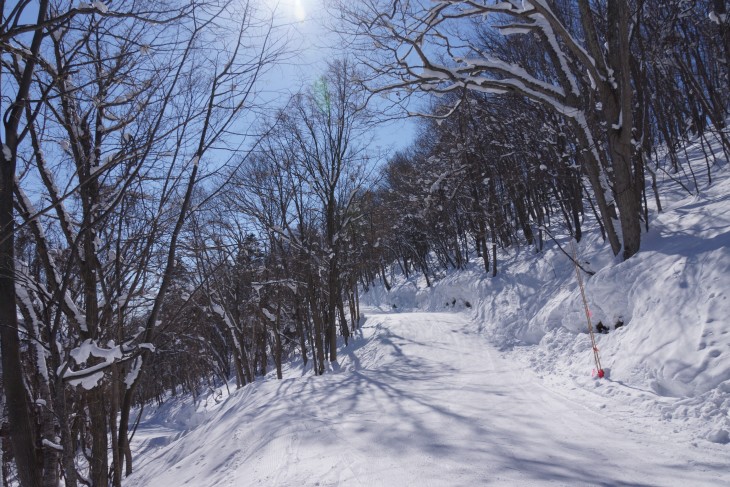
column 422, row 399
column 481, row 380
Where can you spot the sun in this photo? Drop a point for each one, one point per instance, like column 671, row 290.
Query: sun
column 288, row 9
column 299, row 12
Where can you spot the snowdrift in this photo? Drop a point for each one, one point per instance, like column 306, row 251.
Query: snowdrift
column 672, row 352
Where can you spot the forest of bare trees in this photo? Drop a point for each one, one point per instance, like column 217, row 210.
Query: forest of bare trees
column 164, row 230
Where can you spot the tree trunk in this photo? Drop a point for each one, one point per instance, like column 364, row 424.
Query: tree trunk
column 592, row 168
column 494, row 259
column 344, row 330
column 317, row 319
column 386, row 284
column 19, row 418
column 277, row 342
column 332, row 310
column 357, row 306
column 301, row 332
column 627, row 201
column 48, row 432
column 21, row 425
column 99, row 462
column 114, row 440
column 67, row 439
column 619, row 111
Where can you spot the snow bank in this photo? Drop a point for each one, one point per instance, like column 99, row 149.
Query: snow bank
column 672, row 354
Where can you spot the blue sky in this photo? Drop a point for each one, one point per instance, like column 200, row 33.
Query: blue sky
column 306, row 22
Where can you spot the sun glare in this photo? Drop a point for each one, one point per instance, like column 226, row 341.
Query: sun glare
column 299, row 11
column 289, row 9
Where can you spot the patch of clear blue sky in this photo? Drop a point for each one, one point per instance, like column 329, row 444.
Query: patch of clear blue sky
column 314, row 45
column 305, row 23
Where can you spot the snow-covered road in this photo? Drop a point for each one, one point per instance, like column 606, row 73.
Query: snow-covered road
column 420, row 399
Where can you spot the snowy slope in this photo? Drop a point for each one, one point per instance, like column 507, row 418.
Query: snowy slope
column 671, row 357
column 422, row 399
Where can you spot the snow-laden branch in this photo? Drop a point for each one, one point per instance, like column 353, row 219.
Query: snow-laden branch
column 89, row 377
column 510, row 70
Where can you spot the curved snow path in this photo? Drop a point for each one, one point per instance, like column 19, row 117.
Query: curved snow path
column 422, row 400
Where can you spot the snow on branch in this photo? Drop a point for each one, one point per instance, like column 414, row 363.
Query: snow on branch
column 89, row 377
column 511, row 70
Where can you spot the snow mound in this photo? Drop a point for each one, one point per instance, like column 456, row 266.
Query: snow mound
column 672, row 347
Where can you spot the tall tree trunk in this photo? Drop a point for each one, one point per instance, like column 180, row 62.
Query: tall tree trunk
column 19, row 418
column 245, row 362
column 593, row 171
column 485, row 244
column 356, row 293
column 332, row 295
column 20, row 421
column 627, row 201
column 720, row 7
column 621, row 118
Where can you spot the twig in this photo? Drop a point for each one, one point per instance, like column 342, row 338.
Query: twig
column 577, row 264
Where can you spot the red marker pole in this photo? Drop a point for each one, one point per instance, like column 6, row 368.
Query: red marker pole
column 597, row 359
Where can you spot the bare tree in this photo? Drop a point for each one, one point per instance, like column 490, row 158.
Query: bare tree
column 587, row 81
column 121, row 114
column 16, row 88
column 302, row 191
column 325, row 130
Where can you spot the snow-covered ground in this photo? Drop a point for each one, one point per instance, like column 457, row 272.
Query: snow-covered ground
column 671, row 358
column 479, row 380
column 422, row 399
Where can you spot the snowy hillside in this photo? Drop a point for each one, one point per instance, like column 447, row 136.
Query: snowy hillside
column 672, row 356
column 480, row 380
